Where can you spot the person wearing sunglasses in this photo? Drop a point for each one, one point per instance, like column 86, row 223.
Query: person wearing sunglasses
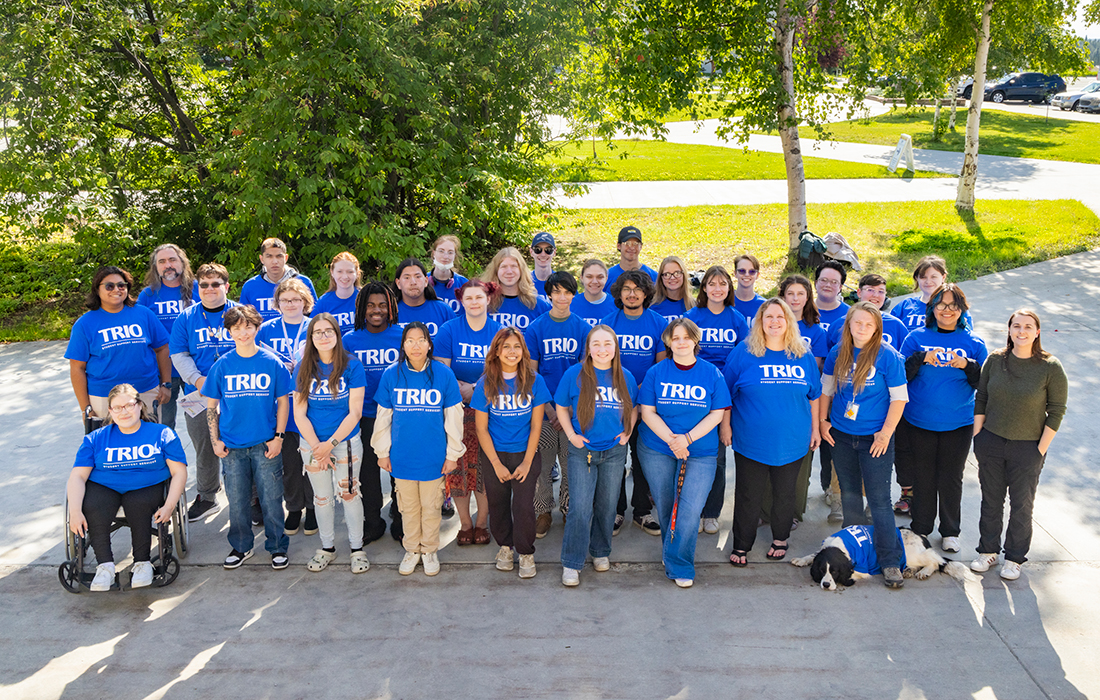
column 117, row 342
column 746, row 270
column 630, row 247
column 543, row 251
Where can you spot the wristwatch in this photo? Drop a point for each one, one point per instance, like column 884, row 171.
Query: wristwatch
column 280, row 435
column 167, row 385
column 334, row 442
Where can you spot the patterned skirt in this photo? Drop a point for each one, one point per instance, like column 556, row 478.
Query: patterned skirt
column 466, row 480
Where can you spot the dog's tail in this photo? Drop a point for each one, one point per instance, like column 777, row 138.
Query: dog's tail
column 957, row 570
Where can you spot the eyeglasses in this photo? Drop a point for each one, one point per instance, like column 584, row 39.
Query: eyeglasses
column 543, row 250
column 112, row 286
column 208, row 285
column 748, row 273
column 292, row 300
column 672, row 275
column 946, row 307
column 630, row 291
column 123, row 408
column 326, row 334
column 415, row 342
column 826, row 282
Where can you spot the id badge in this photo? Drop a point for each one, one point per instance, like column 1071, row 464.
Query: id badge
column 852, row 411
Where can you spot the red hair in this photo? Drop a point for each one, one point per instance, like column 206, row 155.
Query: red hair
column 491, row 288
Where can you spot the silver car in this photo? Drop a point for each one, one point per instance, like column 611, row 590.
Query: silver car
column 1089, row 103
column 1070, row 99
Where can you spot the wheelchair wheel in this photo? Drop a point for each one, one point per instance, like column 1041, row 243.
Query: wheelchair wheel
column 180, row 533
column 69, row 576
column 166, row 571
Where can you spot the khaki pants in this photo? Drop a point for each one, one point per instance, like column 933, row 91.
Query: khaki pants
column 99, row 403
column 420, row 503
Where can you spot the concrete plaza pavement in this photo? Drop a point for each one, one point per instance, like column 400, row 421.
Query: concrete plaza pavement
column 760, row 632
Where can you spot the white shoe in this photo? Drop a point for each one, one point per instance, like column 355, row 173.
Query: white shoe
column 104, row 577
column 431, row 563
column 701, row 525
column 321, row 560
column 505, row 561
column 950, row 544
column 141, row 575
column 684, row 582
column 408, row 563
column 359, row 563
column 570, row 577
column 1010, row 571
column 601, row 564
column 983, row 562
column 710, row 526
column 836, row 512
column 527, row 566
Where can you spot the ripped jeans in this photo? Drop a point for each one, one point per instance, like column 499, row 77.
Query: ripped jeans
column 343, row 468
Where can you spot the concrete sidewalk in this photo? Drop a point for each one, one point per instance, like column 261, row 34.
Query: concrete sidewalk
column 760, row 632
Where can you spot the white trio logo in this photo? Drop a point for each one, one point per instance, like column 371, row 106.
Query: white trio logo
column 509, row 402
column 418, row 397
column 217, row 334
column 682, row 391
column 472, row 350
column 719, row 335
column 126, row 454
column 636, row 342
column 559, row 345
column 518, row 320
column 783, row 371
column 247, row 382
column 377, row 356
column 126, row 332
column 321, row 387
column 168, row 307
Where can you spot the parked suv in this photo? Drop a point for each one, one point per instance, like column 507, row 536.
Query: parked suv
column 1030, row 87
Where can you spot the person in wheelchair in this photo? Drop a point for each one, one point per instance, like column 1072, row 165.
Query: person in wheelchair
column 126, row 462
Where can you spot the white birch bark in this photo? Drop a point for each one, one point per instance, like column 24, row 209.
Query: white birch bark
column 968, row 178
column 788, row 129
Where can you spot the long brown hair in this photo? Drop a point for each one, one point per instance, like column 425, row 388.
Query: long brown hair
column 867, row 355
column 1037, row 351
column 310, row 366
column 810, row 315
column 586, row 403
column 494, row 373
column 662, row 292
column 712, row 272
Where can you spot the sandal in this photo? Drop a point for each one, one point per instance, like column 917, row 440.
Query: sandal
column 465, row 537
column 904, row 504
column 740, row 554
column 777, row 552
column 321, row 560
column 481, row 535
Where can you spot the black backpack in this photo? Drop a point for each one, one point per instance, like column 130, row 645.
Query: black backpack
column 811, row 250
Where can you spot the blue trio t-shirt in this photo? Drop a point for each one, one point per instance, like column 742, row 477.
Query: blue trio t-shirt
column 639, row 339
column 940, row 398
column 166, row 303
column 859, row 540
column 540, row 288
column 592, row 313
column 287, row 340
column 418, row 441
column 512, row 312
column 615, row 271
column 607, row 422
column 201, row 334
column 465, row 347
column 771, row 398
column 683, row 397
column 432, row 313
column 376, row 352
column 510, row 415
column 748, row 309
column 671, row 309
column 874, row 400
column 893, row 332
column 342, row 309
column 130, row 462
column 814, row 337
column 259, row 293
column 556, row 345
column 913, row 313
column 447, row 294
column 247, row 389
column 327, row 411
column 828, row 318
column 118, row 348
column 721, row 332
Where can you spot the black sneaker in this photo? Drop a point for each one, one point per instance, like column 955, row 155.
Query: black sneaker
column 235, row 559
column 201, row 508
column 293, row 522
column 279, row 560
column 310, row 525
column 397, row 530
column 448, row 508
column 619, row 520
column 257, row 514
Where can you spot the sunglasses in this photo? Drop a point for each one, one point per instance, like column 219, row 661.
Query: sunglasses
column 543, row 250
column 749, row 273
column 112, row 286
column 208, row 285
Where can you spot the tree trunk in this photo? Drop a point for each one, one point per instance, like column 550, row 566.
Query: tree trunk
column 954, row 105
column 968, row 178
column 788, row 127
column 936, row 122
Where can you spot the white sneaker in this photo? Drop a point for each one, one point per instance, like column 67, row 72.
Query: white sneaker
column 431, row 563
column 505, row 561
column 836, row 512
column 710, row 526
column 684, row 582
column 141, row 575
column 408, row 563
column 701, row 525
column 950, row 544
column 983, row 562
column 570, row 577
column 601, row 564
column 1010, row 571
column 104, row 577
column 527, row 566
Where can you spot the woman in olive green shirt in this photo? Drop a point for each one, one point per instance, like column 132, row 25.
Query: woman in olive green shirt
column 1019, row 406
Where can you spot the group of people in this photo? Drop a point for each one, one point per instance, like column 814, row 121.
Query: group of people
column 490, row 387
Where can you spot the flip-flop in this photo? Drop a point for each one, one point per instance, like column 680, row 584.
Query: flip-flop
column 781, row 550
column 465, row 537
column 481, row 536
column 741, row 554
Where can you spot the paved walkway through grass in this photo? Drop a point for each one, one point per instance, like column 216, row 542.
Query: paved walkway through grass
column 760, row 632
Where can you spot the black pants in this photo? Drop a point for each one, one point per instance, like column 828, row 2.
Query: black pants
column 370, row 487
column 297, row 491
column 101, row 504
column 640, row 501
column 1009, row 467
column 751, row 479
column 825, row 456
column 512, row 503
column 934, row 461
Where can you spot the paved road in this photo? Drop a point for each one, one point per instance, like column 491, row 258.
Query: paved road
column 760, row 632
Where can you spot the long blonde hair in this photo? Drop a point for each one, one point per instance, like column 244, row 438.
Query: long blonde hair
column 867, row 355
column 589, row 396
column 527, row 293
column 661, row 294
column 793, row 344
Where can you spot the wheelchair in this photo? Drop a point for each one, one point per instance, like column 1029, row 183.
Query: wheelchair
column 172, row 544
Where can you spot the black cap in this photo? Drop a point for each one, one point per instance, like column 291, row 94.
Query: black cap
column 628, row 232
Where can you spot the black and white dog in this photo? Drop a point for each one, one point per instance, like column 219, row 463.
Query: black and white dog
column 849, row 555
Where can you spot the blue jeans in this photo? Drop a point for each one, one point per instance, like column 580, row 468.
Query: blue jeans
column 662, row 472
column 241, row 469
column 853, row 462
column 593, row 497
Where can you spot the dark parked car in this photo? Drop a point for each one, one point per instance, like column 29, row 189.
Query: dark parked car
column 1030, row 87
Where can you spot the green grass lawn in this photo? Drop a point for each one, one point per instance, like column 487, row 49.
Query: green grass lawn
column 658, row 160
column 889, row 237
column 1001, row 134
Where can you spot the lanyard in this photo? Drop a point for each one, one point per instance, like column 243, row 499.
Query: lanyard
column 298, row 335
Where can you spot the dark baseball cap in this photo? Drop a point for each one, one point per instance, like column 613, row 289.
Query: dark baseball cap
column 628, row 232
column 543, row 237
